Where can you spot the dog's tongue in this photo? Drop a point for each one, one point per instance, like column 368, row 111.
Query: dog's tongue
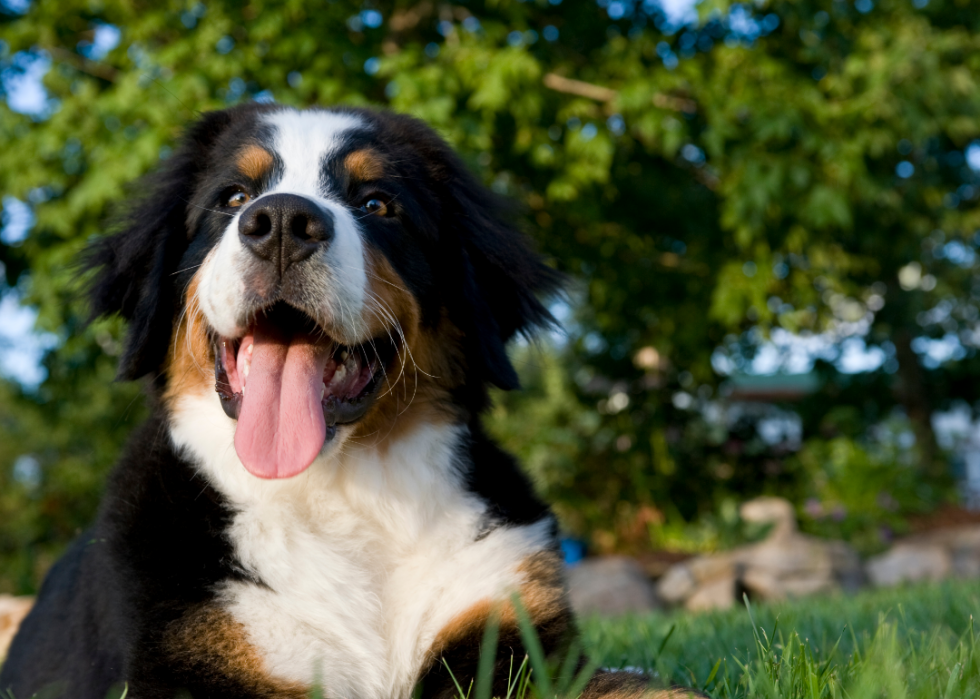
column 281, row 427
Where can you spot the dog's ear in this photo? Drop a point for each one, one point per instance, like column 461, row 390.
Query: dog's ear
column 503, row 278
column 134, row 266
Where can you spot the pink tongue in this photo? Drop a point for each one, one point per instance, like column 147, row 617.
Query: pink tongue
column 280, row 426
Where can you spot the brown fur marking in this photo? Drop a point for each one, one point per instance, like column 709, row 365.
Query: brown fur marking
column 254, row 161
column 365, row 165
column 190, row 360
column 428, row 365
column 542, row 594
column 207, row 641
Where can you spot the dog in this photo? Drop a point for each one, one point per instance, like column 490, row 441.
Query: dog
column 318, row 301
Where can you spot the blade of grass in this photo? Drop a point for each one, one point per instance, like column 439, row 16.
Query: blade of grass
column 711, row 675
column 539, row 664
column 459, row 690
column 488, row 658
column 663, row 643
column 519, row 681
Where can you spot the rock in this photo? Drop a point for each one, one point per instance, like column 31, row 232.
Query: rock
column 770, row 510
column 12, row 612
column 785, row 564
column 677, row 584
column 706, row 569
column 966, row 562
column 910, row 562
column 609, row 586
column 717, row 594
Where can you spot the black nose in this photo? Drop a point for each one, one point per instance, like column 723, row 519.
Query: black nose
column 285, row 228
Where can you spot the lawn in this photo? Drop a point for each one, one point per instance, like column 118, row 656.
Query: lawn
column 917, row 641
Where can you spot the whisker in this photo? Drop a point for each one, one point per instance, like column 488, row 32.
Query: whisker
column 186, row 269
column 204, row 208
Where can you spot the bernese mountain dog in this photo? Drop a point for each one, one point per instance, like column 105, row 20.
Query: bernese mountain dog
column 320, row 300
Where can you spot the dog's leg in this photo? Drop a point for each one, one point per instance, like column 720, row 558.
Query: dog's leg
column 205, row 653
column 455, row 655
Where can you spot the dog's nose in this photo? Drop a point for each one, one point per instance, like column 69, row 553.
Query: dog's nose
column 285, row 229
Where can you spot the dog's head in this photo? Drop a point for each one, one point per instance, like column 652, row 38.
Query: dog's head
column 321, row 274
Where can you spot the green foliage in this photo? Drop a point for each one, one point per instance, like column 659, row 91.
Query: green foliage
column 860, row 493
column 750, row 186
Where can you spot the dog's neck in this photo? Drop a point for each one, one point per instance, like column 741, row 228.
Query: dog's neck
column 420, row 471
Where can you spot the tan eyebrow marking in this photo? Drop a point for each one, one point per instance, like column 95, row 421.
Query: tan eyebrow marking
column 365, row 164
column 254, row 161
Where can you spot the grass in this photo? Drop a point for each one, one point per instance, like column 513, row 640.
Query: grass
column 912, row 642
column 917, row 642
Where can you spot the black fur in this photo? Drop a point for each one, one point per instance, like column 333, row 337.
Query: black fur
column 156, row 549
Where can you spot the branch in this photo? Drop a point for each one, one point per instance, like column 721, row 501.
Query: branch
column 93, row 68
column 599, row 93
column 577, row 87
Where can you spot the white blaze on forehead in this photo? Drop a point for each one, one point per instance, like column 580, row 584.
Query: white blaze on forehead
column 302, row 140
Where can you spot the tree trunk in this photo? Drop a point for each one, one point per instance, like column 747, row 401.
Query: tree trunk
column 914, row 395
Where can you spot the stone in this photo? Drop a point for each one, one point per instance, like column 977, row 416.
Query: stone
column 12, row 612
column 709, row 568
column 966, row 562
column 609, row 586
column 677, row 584
column 717, row 594
column 909, row 562
column 784, row 565
column 770, row 510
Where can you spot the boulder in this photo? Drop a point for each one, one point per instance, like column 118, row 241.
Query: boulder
column 785, row 564
column 609, row 586
column 718, row 593
column 932, row 555
column 677, row 584
column 12, row 612
column 910, row 562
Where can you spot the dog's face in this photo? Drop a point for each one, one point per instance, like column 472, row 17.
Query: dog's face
column 324, row 275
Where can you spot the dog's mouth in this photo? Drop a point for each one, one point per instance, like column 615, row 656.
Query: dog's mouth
column 289, row 385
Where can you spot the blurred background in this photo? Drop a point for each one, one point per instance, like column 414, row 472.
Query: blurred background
column 768, row 210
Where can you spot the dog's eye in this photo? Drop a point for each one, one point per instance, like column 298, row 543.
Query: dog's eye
column 375, row 206
column 236, row 199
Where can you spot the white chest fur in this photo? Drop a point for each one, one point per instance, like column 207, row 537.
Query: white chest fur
column 364, row 557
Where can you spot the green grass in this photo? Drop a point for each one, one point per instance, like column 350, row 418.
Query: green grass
column 913, row 642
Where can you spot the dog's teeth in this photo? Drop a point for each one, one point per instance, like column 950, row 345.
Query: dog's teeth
column 339, row 374
column 248, row 365
column 344, row 355
column 248, row 350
